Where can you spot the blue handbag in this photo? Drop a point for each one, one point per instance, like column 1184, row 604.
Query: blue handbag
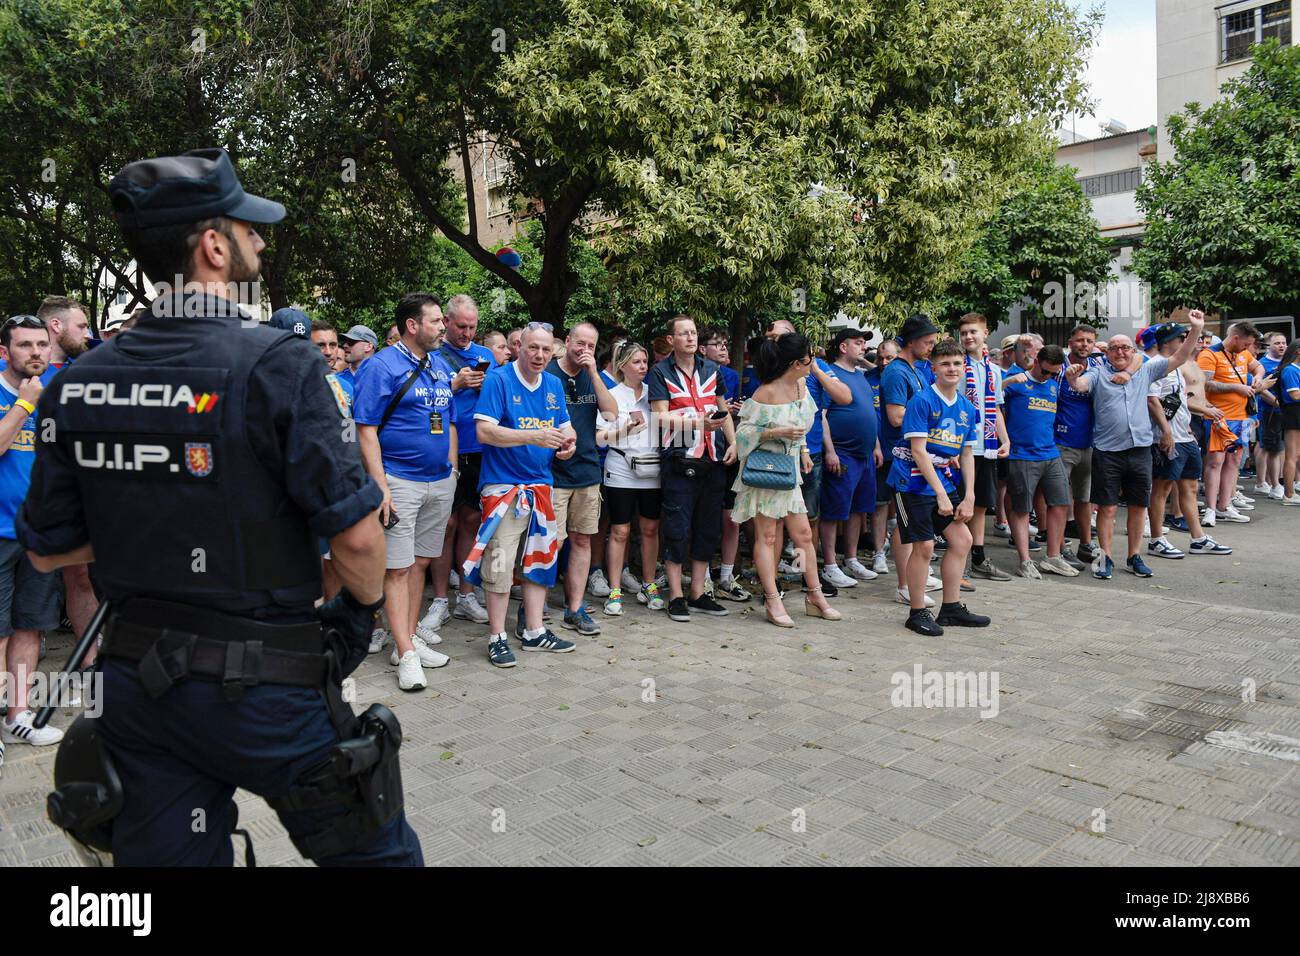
column 770, row 470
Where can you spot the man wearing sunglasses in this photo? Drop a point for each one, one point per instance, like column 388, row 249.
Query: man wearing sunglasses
column 198, row 461
column 1122, row 439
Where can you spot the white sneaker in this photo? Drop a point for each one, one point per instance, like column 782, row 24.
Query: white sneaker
column 468, row 609
column 1028, row 569
column 1001, row 530
column 1277, row 493
column 1239, row 499
column 902, row 597
column 1207, row 519
column 1293, row 500
column 426, row 655
column 879, row 564
column 439, row 613
column 833, row 574
column 933, row 584
column 410, row 675
column 1264, row 489
column 378, row 640
column 856, row 568
column 1058, row 565
column 1232, row 514
column 785, row 567
column 630, row 584
column 597, row 585
column 21, row 731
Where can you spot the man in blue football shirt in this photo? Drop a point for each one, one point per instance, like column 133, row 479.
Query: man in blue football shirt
column 941, row 431
column 1034, row 466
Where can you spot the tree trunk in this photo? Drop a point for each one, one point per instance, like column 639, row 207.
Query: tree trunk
column 738, row 329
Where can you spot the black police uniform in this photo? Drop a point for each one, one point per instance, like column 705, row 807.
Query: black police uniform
column 202, row 456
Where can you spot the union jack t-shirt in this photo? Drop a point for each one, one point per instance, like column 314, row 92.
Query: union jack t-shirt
column 693, row 396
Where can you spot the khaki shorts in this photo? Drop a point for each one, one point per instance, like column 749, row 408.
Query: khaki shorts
column 502, row 553
column 577, row 509
column 422, row 509
column 1078, row 466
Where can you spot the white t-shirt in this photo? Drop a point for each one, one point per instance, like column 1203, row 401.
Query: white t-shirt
column 1181, row 423
column 618, row 472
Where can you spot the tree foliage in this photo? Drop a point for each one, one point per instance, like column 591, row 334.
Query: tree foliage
column 1223, row 216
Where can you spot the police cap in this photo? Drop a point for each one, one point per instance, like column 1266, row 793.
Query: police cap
column 197, row 185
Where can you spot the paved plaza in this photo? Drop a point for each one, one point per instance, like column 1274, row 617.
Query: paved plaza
column 1131, row 724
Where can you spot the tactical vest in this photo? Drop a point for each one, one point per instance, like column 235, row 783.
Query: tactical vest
column 177, row 505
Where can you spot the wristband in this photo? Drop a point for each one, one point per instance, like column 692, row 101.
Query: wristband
column 25, row 405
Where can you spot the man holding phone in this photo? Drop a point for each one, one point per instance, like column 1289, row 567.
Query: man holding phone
column 403, row 407
column 469, row 363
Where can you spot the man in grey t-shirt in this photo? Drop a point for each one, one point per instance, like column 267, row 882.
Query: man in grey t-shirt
column 1122, row 437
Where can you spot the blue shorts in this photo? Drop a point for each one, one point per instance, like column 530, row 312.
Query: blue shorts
column 853, row 491
column 1185, row 465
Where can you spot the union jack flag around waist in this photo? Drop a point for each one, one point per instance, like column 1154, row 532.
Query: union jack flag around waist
column 542, row 543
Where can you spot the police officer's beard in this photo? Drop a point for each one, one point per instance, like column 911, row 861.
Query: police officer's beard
column 242, row 271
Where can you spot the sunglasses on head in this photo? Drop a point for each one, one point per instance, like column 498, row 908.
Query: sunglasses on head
column 540, row 325
column 24, row 322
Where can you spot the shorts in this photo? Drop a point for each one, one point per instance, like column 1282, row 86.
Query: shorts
column 577, row 509
column 1077, row 463
column 729, row 492
column 501, row 554
column 986, row 483
column 1270, row 432
column 422, row 509
column 692, row 514
column 1230, row 435
column 625, row 504
column 1290, row 417
column 918, row 517
column 1002, row 471
column 1185, row 465
column 29, row 600
column 812, row 488
column 884, row 493
column 1127, row 472
column 467, row 483
column 853, row 491
column 1026, row 478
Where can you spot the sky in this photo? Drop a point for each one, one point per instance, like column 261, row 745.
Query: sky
column 1122, row 66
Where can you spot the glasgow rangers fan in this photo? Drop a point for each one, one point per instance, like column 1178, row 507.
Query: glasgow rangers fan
column 691, row 408
column 523, row 423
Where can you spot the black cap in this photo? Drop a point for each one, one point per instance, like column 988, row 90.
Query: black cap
column 916, row 327
column 843, row 335
column 1170, row 331
column 169, row 190
column 292, row 320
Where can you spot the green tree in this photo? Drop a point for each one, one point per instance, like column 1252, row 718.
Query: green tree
column 1223, row 216
column 1043, row 235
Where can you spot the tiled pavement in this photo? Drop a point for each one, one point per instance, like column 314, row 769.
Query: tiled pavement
column 730, row 741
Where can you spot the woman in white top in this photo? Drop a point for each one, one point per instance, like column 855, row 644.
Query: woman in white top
column 631, row 477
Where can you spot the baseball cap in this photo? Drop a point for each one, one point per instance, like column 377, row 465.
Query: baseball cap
column 843, row 335
column 292, row 320
column 1170, row 331
column 359, row 333
column 200, row 184
column 1147, row 337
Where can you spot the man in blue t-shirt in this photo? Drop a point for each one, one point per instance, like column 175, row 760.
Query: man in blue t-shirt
column 576, row 478
column 1074, row 442
column 468, row 363
column 402, row 408
column 886, row 352
column 941, row 431
column 1288, row 388
column 902, row 381
column 357, row 344
column 1268, row 456
column 29, row 599
column 1034, row 466
column 851, row 452
column 524, row 429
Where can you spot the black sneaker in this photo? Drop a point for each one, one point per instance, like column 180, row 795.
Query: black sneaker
column 956, row 615
column 923, row 623
column 706, row 605
column 828, row 589
column 678, row 611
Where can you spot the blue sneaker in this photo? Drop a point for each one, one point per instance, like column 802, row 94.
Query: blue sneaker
column 1139, row 567
column 499, row 652
column 581, row 622
column 548, row 642
column 1178, row 524
column 1103, row 567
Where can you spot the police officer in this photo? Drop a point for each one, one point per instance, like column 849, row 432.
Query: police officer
column 169, row 467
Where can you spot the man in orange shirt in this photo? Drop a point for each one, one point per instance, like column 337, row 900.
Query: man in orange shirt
column 1229, row 386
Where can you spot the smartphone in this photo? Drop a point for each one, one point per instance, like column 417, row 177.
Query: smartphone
column 482, row 365
column 719, row 416
column 392, row 520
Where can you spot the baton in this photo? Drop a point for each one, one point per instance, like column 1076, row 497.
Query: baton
column 74, row 664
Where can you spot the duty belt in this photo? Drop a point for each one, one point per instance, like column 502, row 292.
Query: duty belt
column 175, row 641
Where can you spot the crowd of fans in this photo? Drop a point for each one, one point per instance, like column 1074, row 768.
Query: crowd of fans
column 518, row 463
